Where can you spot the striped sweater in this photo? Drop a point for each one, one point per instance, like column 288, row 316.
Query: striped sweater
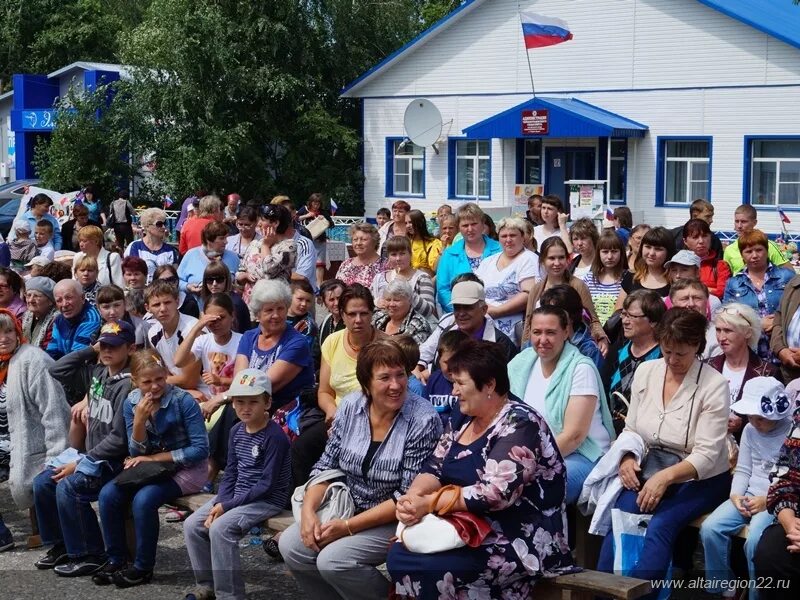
column 411, row 439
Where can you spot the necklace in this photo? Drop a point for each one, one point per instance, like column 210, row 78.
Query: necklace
column 477, row 433
column 355, row 348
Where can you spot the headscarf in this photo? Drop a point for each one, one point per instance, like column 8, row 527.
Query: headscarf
column 5, row 359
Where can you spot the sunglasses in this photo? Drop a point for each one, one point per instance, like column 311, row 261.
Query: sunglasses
column 727, row 310
column 159, row 224
column 173, row 280
column 215, row 279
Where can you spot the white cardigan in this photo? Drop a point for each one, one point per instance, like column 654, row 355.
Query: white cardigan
column 38, row 419
column 109, row 265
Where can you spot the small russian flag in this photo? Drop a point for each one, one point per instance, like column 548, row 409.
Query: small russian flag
column 784, row 218
column 334, row 206
column 609, row 214
column 168, row 201
column 540, row 31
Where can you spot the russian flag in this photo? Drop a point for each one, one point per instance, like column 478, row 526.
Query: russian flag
column 784, row 218
column 540, row 31
column 334, row 207
column 609, row 214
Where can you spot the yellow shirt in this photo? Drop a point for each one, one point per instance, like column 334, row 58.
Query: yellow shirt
column 343, row 368
column 425, row 255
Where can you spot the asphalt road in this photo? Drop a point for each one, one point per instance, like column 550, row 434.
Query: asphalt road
column 19, row 579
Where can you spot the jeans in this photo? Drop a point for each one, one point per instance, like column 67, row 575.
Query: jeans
column 65, row 513
column 214, row 552
column 144, row 504
column 681, row 505
column 716, row 534
column 578, row 469
column 343, row 569
column 778, row 568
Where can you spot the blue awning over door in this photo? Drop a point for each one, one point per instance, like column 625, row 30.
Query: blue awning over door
column 555, row 117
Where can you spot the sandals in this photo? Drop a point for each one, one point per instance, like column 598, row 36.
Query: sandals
column 271, row 548
column 176, row 516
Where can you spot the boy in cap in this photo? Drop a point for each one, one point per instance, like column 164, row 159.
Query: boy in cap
column 256, row 486
column 62, row 495
column 769, row 410
column 22, row 247
column 36, row 265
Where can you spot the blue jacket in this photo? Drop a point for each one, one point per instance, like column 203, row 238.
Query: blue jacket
column 178, row 427
column 195, row 261
column 454, row 262
column 740, row 289
column 28, row 216
column 73, row 334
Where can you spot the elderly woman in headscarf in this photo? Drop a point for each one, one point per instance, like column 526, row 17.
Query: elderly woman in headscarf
column 33, row 410
column 37, row 322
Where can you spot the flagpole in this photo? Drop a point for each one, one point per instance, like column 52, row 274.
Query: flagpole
column 527, row 52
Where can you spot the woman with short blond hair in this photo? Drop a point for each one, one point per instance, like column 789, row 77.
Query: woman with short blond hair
column 109, row 264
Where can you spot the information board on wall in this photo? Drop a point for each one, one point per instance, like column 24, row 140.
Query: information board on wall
column 535, row 122
column 586, row 199
column 523, row 191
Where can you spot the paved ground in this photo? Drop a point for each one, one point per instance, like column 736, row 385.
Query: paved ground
column 19, row 579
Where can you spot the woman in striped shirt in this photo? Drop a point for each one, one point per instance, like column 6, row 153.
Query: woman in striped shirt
column 380, row 439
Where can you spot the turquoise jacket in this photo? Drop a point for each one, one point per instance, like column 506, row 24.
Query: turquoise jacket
column 557, row 394
column 454, row 262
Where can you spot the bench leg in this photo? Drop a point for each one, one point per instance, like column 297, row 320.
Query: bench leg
column 34, row 539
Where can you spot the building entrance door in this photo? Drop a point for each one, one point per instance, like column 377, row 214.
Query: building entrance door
column 565, row 164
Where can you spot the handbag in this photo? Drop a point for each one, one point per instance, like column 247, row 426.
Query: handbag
column 337, row 503
column 145, row 473
column 445, row 531
column 317, row 226
column 657, row 459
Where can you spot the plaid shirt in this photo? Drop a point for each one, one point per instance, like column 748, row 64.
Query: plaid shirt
column 413, row 435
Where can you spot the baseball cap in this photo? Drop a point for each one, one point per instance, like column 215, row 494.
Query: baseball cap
column 22, row 225
column 117, row 333
column 764, row 397
column 467, row 293
column 38, row 261
column 687, row 258
column 250, row 382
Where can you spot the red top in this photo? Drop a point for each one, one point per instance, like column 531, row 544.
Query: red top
column 714, row 273
column 191, row 232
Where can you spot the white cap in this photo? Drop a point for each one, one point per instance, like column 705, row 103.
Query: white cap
column 687, row 258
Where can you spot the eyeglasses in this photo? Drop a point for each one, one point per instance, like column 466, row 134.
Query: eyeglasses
column 215, row 279
column 731, row 310
column 626, row 315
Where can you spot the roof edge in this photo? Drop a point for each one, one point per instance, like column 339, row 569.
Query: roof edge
column 728, row 12
column 433, row 29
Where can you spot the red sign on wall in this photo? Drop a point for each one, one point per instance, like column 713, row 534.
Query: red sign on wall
column 534, row 122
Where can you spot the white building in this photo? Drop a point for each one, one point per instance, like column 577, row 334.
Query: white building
column 694, row 98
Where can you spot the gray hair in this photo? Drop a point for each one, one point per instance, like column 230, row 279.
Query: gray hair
column 71, row 284
column 398, row 287
column 7, row 322
column 269, row 290
column 209, row 205
column 150, row 216
column 741, row 318
column 512, row 223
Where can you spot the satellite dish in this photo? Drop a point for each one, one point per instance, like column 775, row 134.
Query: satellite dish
column 423, row 122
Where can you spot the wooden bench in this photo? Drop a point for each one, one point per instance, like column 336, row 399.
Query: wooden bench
column 195, row 501
column 576, row 586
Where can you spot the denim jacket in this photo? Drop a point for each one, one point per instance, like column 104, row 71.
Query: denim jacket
column 740, row 289
column 177, row 427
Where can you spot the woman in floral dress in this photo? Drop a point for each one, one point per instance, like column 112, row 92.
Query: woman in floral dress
column 366, row 263
column 506, row 460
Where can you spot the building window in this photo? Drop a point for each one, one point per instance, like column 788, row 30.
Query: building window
column 405, row 164
column 471, row 167
column 685, row 170
column 775, row 172
column 532, row 161
column 616, row 179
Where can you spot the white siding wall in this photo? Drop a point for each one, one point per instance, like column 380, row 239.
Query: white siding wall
column 618, row 44
column 5, row 112
column 726, row 114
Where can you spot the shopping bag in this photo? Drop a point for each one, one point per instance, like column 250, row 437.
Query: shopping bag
column 629, row 532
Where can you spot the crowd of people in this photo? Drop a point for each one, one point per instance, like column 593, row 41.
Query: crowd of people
column 504, row 374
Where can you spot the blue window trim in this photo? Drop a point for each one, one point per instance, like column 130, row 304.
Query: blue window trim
column 661, row 141
column 520, row 167
column 451, row 170
column 390, row 193
column 604, row 163
column 747, row 171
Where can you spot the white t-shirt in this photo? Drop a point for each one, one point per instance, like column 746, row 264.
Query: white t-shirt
column 502, row 285
column 584, row 383
column 735, row 380
column 216, row 359
column 540, row 235
column 168, row 346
